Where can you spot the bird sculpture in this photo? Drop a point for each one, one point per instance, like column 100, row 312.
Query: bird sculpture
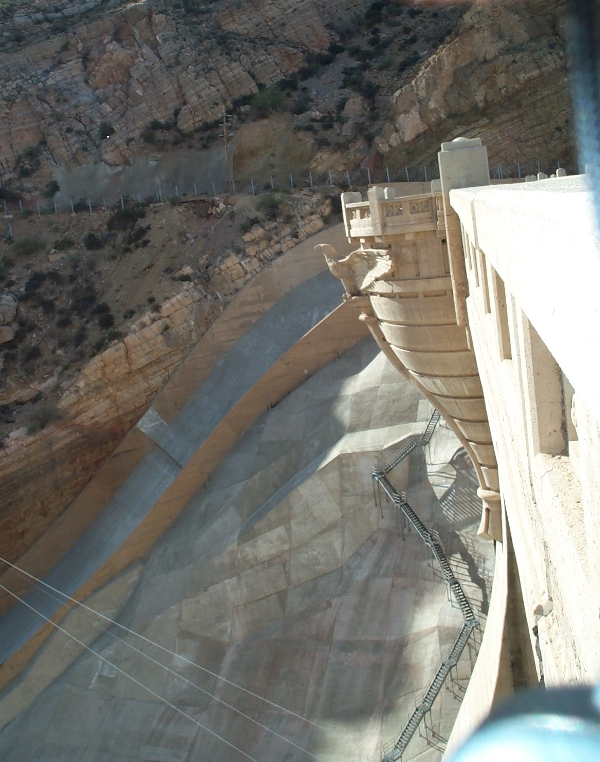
column 359, row 269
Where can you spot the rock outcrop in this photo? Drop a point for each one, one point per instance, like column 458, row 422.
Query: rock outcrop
column 40, row 473
column 502, row 77
column 87, row 94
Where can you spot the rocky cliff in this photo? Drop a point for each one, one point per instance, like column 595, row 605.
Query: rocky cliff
column 76, row 382
column 354, row 83
column 501, row 77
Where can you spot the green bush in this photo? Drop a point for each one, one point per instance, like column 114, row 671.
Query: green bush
column 270, row 206
column 51, row 189
column 92, row 242
column 123, row 219
column 64, row 244
column 106, row 320
column 27, row 245
column 42, row 415
column 268, row 101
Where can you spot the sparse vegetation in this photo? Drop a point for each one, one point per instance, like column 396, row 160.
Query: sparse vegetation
column 27, row 245
column 42, row 415
column 92, row 242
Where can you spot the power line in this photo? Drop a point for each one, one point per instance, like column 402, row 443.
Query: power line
column 190, row 682
column 133, row 679
column 162, row 648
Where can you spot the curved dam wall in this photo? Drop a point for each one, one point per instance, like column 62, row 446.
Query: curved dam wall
column 295, row 329
column 281, row 574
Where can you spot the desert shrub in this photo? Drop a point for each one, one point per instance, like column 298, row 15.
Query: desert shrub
column 247, row 225
column 114, row 335
column 92, row 242
column 106, row 320
column 151, row 299
column 64, row 322
column 128, row 313
column 63, row 244
column 31, row 354
column 27, row 245
column 42, row 415
column 80, row 206
column 83, row 298
column 51, row 189
column 47, row 306
column 124, row 219
column 268, row 101
column 10, row 196
column 36, row 280
column 101, row 309
column 269, row 205
column 184, row 278
column 55, row 278
column 79, row 337
column 302, row 102
column 29, row 161
column 408, row 61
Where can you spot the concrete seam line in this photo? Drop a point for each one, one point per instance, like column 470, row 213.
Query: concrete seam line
column 147, row 640
column 133, row 679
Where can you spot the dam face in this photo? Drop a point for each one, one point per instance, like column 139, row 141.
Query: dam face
column 284, row 574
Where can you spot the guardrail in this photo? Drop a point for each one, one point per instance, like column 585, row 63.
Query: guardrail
column 394, row 750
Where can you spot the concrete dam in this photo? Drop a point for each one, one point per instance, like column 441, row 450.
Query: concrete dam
column 287, row 608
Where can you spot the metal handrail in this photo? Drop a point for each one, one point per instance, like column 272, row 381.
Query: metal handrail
column 432, row 539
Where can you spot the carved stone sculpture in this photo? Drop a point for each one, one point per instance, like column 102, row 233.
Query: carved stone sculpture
column 359, row 269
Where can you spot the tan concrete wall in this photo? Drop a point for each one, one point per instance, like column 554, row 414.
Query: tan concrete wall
column 533, row 271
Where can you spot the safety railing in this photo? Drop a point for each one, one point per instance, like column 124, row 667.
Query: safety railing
column 394, row 750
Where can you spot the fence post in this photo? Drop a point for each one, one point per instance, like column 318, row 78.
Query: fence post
column 292, row 182
column 214, row 189
column 20, row 206
column 139, row 199
column 160, row 195
column 72, row 207
column 10, row 233
column 330, row 178
column 90, row 205
column 122, row 203
column 519, row 168
column 177, row 191
column 368, row 175
column 310, row 179
column 55, row 209
column 38, row 208
column 104, row 204
column 5, row 209
column 233, row 185
column 407, row 177
column 387, row 172
column 252, row 183
column 538, row 166
column 272, row 183
column 425, row 169
column 195, row 190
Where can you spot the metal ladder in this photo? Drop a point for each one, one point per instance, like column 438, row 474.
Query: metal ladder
column 424, row 439
column 432, row 539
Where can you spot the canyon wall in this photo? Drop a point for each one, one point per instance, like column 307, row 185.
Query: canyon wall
column 501, row 77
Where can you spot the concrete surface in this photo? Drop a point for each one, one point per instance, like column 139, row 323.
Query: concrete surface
column 285, row 576
column 234, row 375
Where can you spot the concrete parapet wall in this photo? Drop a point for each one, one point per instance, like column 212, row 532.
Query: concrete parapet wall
column 533, row 266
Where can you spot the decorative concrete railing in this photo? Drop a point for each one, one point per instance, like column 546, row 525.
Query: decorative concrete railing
column 384, row 214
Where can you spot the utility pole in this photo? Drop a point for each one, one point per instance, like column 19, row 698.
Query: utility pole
column 226, row 149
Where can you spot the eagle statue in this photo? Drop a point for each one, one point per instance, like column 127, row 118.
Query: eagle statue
column 359, row 269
